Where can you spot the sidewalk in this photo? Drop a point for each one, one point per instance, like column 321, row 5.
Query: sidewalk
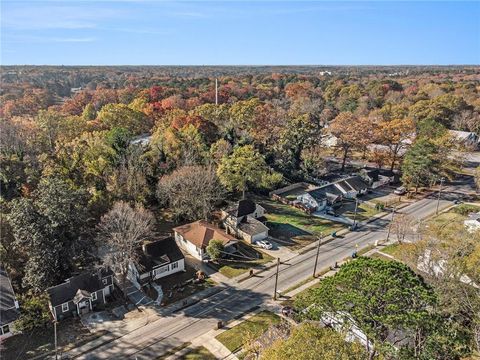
column 152, row 314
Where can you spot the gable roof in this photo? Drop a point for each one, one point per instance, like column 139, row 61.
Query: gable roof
column 66, row 291
column 328, row 191
column 80, row 295
column 8, row 310
column 157, row 253
column 252, row 226
column 244, row 207
column 200, row 233
column 356, row 183
column 371, row 174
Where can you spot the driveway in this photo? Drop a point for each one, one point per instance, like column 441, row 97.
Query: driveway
column 278, row 250
column 339, row 219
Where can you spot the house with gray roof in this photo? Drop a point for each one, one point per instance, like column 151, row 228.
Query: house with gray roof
column 156, row 260
column 244, row 221
column 352, row 187
column 80, row 294
column 9, row 308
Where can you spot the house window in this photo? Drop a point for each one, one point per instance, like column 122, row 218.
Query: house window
column 174, row 265
column 94, row 296
column 104, row 281
column 65, row 307
column 5, row 329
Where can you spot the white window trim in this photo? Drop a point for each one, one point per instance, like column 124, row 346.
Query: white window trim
column 63, row 307
column 94, row 296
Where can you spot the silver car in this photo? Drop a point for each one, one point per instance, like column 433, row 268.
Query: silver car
column 264, row 244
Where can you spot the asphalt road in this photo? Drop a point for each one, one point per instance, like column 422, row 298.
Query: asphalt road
column 156, row 338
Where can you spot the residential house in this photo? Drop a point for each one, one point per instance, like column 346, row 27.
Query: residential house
column 9, row 309
column 319, row 198
column 196, row 236
column 466, row 138
column 80, row 294
column 373, row 178
column 473, row 222
column 242, row 221
column 352, row 187
column 156, row 260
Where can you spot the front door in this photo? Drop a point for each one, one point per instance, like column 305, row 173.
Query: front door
column 84, row 307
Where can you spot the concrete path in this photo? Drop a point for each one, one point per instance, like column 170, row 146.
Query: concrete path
column 214, row 346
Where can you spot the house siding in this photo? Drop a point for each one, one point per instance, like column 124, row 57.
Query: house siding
column 72, row 307
column 192, row 249
column 168, row 269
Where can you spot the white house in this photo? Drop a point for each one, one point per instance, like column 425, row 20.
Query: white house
column 242, row 221
column 156, row 260
column 352, row 187
column 9, row 309
column 473, row 222
column 195, row 237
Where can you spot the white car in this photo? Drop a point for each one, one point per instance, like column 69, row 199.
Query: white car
column 400, row 190
column 264, row 244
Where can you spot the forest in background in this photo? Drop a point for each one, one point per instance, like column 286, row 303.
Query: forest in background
column 69, row 157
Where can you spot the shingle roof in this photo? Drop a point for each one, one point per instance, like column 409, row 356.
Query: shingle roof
column 329, row 191
column 90, row 282
column 356, row 183
column 244, row 207
column 200, row 233
column 157, row 253
column 252, row 226
column 8, row 311
column 371, row 174
column 80, row 295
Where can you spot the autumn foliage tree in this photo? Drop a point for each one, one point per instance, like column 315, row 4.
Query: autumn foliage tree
column 348, row 134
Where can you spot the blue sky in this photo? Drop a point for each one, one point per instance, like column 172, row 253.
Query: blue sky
column 245, row 33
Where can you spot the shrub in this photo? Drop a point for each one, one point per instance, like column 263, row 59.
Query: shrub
column 466, row 209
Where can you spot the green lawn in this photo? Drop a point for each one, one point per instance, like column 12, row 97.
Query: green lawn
column 364, row 212
column 391, row 249
column 232, row 268
column 293, row 227
column 198, row 353
column 234, row 338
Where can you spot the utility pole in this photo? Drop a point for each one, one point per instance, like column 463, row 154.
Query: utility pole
column 216, row 91
column 276, row 280
column 318, row 252
column 390, row 225
column 439, row 193
column 355, row 214
column 55, row 334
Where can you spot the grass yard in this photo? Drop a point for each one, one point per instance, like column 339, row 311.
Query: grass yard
column 233, row 338
column 40, row 341
column 239, row 264
column 293, row 227
column 364, row 211
column 179, row 286
column 392, row 249
column 198, row 353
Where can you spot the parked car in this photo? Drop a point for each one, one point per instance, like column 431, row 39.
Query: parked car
column 264, row 244
column 400, row 190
